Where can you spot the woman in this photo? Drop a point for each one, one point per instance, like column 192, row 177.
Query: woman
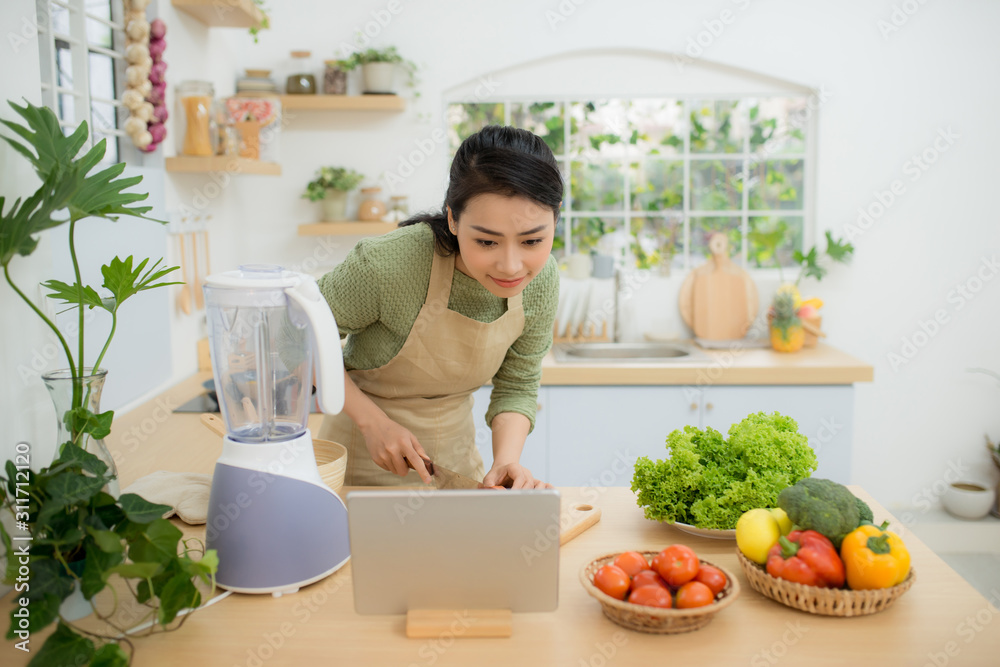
column 443, row 305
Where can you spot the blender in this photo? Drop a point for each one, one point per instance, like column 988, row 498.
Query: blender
column 274, row 523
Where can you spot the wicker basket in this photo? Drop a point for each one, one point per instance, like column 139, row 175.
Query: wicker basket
column 331, row 458
column 822, row 601
column 655, row 620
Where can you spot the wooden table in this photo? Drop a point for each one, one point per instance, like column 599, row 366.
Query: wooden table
column 941, row 620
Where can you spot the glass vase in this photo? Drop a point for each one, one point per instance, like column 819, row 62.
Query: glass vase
column 60, row 384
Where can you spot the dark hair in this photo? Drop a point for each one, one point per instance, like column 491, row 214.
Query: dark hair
column 501, row 160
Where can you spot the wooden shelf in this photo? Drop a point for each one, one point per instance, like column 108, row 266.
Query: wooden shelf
column 346, row 228
column 233, row 165
column 342, row 103
column 222, row 13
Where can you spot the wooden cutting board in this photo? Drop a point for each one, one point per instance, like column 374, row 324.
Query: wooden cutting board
column 718, row 300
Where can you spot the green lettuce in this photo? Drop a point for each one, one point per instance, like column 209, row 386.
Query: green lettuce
column 709, row 481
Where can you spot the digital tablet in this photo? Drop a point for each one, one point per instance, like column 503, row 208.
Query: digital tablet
column 476, row 549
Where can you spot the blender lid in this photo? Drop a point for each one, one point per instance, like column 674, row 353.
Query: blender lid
column 255, row 276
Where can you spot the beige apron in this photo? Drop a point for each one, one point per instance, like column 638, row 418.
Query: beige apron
column 427, row 387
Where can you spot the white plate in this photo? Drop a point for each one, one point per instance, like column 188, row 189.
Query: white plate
column 713, row 533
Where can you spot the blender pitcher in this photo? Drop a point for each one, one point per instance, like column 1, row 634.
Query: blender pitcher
column 268, row 327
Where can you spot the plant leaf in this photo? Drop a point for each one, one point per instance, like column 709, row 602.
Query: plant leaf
column 32, row 216
column 110, row 655
column 82, row 420
column 135, row 570
column 206, row 566
column 73, row 488
column 77, row 456
column 179, row 593
column 64, row 647
column 123, row 281
column 158, row 543
column 48, row 577
column 94, row 577
column 10, row 573
column 140, row 510
column 43, row 611
column 106, row 540
column 837, row 250
column 43, row 134
column 73, row 294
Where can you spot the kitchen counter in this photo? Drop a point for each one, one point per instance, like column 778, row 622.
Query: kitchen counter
column 941, row 620
column 821, row 365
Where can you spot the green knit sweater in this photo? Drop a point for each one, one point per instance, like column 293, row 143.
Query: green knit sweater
column 378, row 290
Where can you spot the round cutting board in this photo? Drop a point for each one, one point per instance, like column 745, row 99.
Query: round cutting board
column 718, row 300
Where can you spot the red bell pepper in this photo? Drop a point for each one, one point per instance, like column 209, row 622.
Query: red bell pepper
column 806, row 557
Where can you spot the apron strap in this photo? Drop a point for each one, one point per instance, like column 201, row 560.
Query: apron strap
column 442, row 272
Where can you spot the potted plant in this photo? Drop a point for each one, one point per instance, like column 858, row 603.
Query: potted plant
column 378, row 67
column 80, row 533
column 330, row 187
column 790, row 315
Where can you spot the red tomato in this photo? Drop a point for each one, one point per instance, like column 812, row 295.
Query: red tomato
column 648, row 578
column 712, row 577
column 632, row 562
column 678, row 564
column 694, row 594
column 612, row 580
column 651, row 596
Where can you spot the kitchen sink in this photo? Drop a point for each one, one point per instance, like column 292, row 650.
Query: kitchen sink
column 669, row 353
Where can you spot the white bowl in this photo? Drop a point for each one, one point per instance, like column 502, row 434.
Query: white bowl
column 960, row 500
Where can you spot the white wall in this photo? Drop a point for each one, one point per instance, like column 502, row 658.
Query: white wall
column 889, row 96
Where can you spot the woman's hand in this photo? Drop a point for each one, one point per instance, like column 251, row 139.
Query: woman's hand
column 388, row 443
column 513, row 476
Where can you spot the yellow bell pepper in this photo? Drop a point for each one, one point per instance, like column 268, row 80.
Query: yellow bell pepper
column 874, row 558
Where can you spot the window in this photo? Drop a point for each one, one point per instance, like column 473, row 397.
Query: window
column 80, row 44
column 650, row 179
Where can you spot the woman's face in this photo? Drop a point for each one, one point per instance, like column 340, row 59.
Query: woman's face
column 503, row 242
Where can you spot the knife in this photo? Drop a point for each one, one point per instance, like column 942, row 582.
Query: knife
column 447, row 479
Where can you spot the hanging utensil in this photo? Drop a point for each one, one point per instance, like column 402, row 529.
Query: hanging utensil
column 184, row 298
column 199, row 295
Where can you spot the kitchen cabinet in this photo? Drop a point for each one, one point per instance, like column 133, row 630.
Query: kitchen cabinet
column 229, row 14
column 376, row 228
column 592, row 435
column 221, row 163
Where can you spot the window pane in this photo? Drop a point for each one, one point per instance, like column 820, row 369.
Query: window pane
column 597, row 187
column 588, row 232
column 702, row 229
column 658, row 243
column 600, row 130
column 102, row 76
column 64, row 65
column 717, row 126
column 67, row 107
column 98, row 34
column 777, row 125
column 772, row 238
column 559, row 241
column 776, row 184
column 657, row 185
column 716, row 185
column 60, row 19
column 659, row 126
column 465, row 120
column 544, row 119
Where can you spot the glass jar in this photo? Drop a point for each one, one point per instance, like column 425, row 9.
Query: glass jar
column 302, row 81
column 371, row 207
column 400, row 206
column 196, row 123
column 334, row 79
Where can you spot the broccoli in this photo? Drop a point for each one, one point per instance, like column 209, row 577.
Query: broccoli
column 821, row 505
column 864, row 512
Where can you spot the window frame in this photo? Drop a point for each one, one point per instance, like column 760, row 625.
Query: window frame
column 686, row 213
column 80, row 49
